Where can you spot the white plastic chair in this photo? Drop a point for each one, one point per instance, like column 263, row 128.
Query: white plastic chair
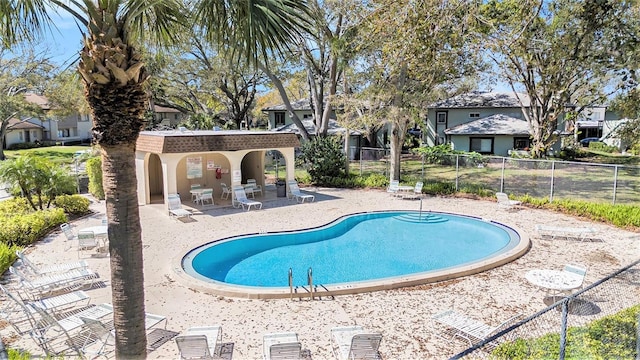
column 506, row 203
column 225, row 191
column 39, row 270
column 295, row 193
column 175, row 207
column 194, row 196
column 87, row 241
column 206, row 195
column 255, row 188
column 353, row 342
column 281, row 346
column 199, row 342
column 241, row 199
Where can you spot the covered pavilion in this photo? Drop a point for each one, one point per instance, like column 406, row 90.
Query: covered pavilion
column 169, row 162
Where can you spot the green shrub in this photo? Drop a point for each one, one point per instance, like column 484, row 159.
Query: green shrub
column 600, row 146
column 324, row 159
column 24, row 230
column 73, row 204
column 94, row 171
column 612, row 337
column 14, row 206
column 375, row 181
column 439, row 188
column 7, row 255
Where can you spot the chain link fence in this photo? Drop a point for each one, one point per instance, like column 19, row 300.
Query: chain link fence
column 616, row 184
column 599, row 322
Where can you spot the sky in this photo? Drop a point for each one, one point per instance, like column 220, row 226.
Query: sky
column 64, row 41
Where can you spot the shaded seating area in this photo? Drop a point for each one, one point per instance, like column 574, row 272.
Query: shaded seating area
column 354, row 342
column 450, row 324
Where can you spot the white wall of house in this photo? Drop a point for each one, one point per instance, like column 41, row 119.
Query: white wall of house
column 493, row 144
column 21, row 136
column 302, row 114
column 69, row 128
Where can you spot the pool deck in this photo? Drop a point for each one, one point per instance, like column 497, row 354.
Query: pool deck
column 401, row 315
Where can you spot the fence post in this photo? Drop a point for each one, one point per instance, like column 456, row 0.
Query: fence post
column 457, row 171
column 422, row 166
column 615, row 184
column 563, row 328
column 553, row 168
column 504, row 161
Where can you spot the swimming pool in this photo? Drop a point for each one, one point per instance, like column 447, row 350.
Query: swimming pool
column 358, row 252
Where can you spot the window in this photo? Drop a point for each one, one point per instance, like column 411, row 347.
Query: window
column 474, row 115
column 521, row 143
column 62, row 133
column 481, row 145
column 307, row 116
column 441, row 117
column 279, row 118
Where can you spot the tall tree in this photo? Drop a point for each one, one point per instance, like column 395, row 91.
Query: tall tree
column 559, row 52
column 413, row 48
column 114, row 77
column 21, row 71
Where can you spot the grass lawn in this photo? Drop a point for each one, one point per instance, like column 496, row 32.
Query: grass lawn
column 54, row 154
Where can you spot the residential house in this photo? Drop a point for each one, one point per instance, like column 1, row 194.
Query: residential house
column 280, row 121
column 22, row 131
column 484, row 122
column 167, row 116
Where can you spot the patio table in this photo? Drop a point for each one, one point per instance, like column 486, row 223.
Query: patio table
column 562, row 281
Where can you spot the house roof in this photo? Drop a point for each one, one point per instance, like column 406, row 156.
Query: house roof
column 302, row 104
column 480, row 99
column 165, row 109
column 186, row 141
column 39, row 100
column 334, row 128
column 498, row 124
column 16, row 124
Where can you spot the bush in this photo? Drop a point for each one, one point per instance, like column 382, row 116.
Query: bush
column 26, row 229
column 612, row 337
column 324, row 159
column 600, row 146
column 7, row 256
column 94, row 171
column 73, row 204
column 439, row 187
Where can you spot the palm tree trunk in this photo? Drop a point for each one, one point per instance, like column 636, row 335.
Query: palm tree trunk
column 125, row 248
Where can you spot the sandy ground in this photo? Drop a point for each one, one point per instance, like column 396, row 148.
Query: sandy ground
column 401, row 315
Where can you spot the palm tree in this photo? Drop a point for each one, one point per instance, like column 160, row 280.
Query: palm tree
column 114, row 79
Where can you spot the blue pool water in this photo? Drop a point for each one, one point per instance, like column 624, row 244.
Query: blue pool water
column 354, row 248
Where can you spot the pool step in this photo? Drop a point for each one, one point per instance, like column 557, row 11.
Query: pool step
column 425, row 218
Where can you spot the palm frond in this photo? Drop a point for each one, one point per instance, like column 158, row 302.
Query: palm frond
column 22, row 21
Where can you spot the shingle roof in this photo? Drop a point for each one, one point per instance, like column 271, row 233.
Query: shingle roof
column 39, row 100
column 498, row 124
column 176, row 141
column 15, row 124
column 480, row 99
column 302, row 104
column 334, row 128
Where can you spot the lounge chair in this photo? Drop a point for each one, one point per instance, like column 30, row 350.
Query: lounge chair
column 281, row 346
column 393, row 188
column 39, row 270
column 68, row 233
column 505, row 203
column 50, row 282
column 241, row 199
column 353, row 342
column 416, row 193
column 199, row 342
column 175, row 207
column 581, row 233
column 454, row 324
column 295, row 193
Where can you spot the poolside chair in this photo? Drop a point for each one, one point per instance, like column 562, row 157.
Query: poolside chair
column 199, row 342
column 353, row 342
column 453, row 324
column 577, row 271
column 68, row 233
column 281, row 346
column 206, row 195
column 295, row 193
column 39, row 270
column 393, row 188
column 580, row 233
column 416, row 193
column 255, row 188
column 175, row 207
column 54, row 339
column 241, row 199
column 194, row 196
column 505, row 203
column 47, row 283
column 87, row 240
column 225, row 191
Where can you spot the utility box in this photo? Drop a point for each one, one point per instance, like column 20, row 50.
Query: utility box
column 281, row 188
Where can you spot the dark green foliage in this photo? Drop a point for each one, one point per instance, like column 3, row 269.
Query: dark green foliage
column 600, row 146
column 73, row 204
column 94, row 171
column 439, row 188
column 7, row 255
column 612, row 337
column 439, row 154
column 25, row 229
column 324, row 158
